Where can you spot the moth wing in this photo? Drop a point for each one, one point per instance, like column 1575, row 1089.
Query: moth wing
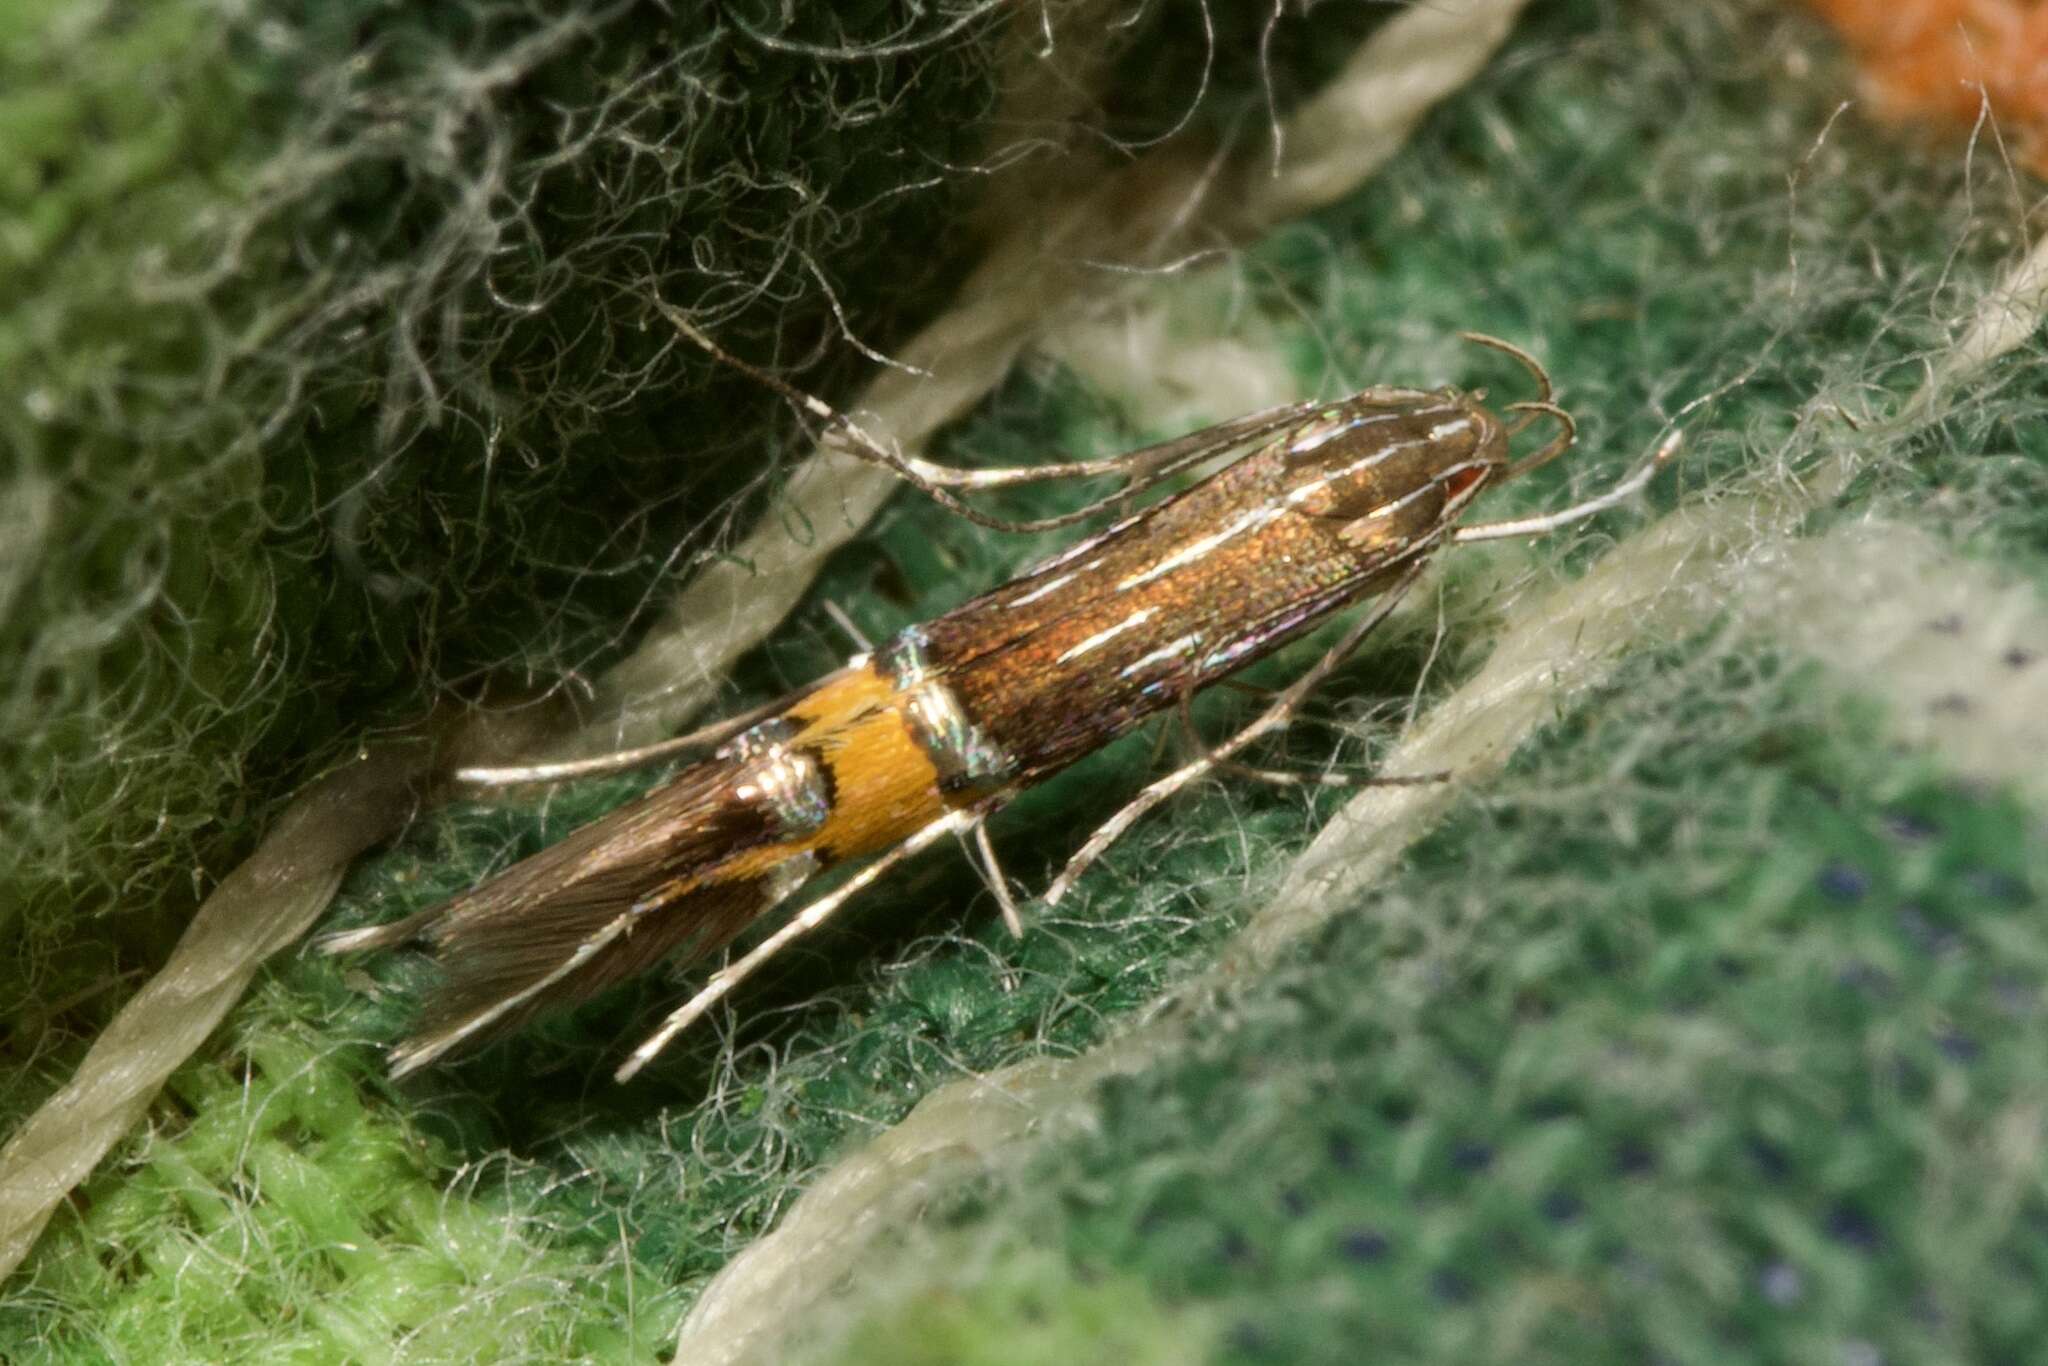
column 649, row 881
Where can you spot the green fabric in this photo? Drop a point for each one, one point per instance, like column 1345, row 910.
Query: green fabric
column 1707, row 1034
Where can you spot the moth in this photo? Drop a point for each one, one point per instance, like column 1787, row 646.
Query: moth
column 1329, row 505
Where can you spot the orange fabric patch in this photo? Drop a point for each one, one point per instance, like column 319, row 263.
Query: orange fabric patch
column 1941, row 61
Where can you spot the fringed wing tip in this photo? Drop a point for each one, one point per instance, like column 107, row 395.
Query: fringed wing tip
column 609, row 902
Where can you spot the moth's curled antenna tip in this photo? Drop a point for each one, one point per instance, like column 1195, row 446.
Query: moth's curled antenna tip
column 1530, row 410
column 1523, row 358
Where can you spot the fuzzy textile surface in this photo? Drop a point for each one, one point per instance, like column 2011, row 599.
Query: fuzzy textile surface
column 1700, row 1016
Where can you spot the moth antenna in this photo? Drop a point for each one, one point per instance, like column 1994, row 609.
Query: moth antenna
column 1139, row 470
column 1531, row 409
column 1527, row 361
column 983, row 853
column 1567, row 433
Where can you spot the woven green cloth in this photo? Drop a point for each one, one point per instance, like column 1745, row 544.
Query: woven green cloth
column 1710, row 1030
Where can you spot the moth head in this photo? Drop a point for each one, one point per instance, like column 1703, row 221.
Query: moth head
column 1399, row 466
column 1391, row 465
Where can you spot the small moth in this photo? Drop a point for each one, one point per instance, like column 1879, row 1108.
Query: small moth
column 1330, row 505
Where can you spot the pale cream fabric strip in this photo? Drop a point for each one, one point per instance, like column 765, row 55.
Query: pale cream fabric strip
column 2000, row 326
column 1956, row 650
column 961, row 1127
column 261, row 907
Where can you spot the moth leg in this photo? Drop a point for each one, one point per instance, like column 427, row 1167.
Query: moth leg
column 803, row 922
column 1287, row 777
column 1277, row 715
column 982, row 853
column 1664, row 454
column 623, row 760
column 845, row 623
column 1138, row 470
